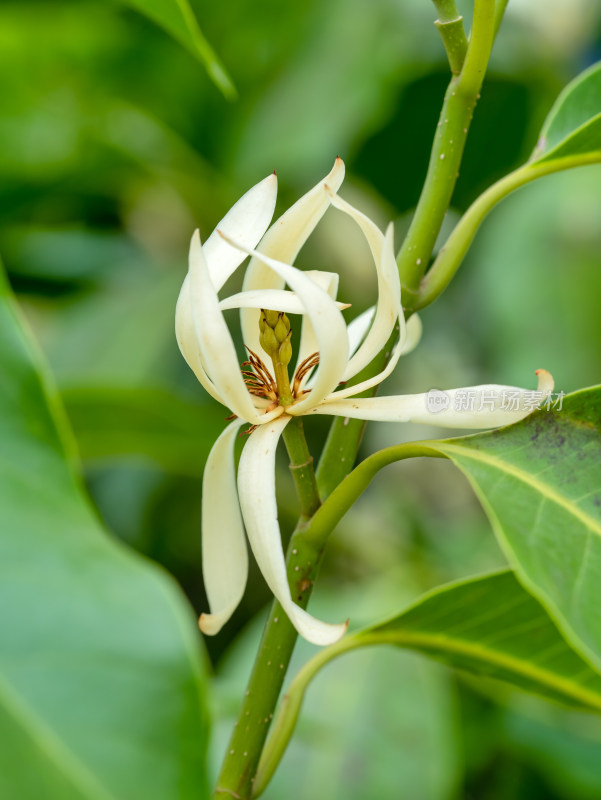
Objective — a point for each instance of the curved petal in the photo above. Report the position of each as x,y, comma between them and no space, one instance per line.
388,309
185,334
283,241
256,488
246,221
488,406
224,553
328,281
357,328
215,343
327,322
368,383
275,299
413,334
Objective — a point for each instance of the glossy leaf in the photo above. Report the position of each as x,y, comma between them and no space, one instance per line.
101,674
573,126
177,18
540,484
153,424
488,626
491,626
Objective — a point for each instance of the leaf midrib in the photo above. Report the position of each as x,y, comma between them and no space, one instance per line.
446,644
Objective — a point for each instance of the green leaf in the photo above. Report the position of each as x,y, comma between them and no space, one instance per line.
573,126
488,626
150,423
491,626
101,674
177,18
540,484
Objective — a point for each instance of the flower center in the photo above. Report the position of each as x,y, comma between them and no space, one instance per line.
275,340
275,335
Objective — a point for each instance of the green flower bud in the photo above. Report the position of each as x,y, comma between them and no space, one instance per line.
270,317
274,338
268,341
282,328
285,353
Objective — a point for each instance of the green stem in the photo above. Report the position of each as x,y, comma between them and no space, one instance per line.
454,41
279,637
352,487
447,150
287,716
323,522
446,10
301,467
500,7
450,27
451,255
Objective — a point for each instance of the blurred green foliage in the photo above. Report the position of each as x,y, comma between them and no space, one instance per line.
114,145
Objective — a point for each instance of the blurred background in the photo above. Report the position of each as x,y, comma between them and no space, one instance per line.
115,145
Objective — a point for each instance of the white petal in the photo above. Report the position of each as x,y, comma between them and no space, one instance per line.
388,309
224,554
488,406
274,299
283,241
358,328
369,383
185,334
246,221
215,343
413,334
327,322
256,487
328,281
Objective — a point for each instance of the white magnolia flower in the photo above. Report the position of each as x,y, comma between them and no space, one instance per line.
330,354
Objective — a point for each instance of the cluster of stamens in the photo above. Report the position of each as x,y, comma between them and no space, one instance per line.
260,382
258,379
275,335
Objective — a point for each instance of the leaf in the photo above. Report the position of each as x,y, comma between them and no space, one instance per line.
177,18
491,626
540,484
573,126
152,423
101,674
488,626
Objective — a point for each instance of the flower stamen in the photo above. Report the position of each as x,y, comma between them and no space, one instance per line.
258,379
303,368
